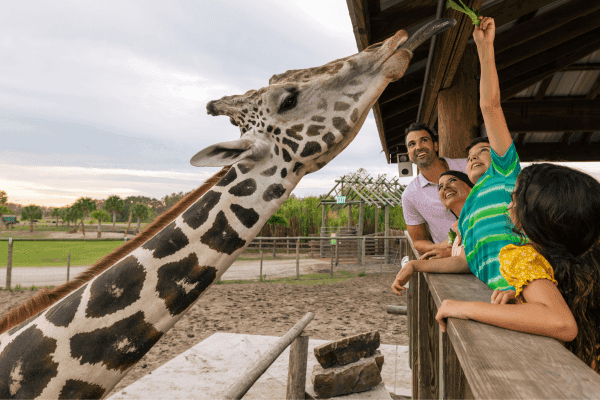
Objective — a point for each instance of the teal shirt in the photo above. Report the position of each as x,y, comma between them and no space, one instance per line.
484,223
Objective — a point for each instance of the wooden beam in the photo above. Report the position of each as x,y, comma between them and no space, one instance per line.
359,23
524,74
594,90
558,152
401,16
571,30
510,10
404,118
403,86
583,67
519,139
381,130
400,105
543,87
585,138
555,116
565,137
545,23
448,53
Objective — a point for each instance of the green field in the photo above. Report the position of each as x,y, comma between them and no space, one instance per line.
53,254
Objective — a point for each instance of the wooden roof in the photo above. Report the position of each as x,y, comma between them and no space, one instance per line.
548,60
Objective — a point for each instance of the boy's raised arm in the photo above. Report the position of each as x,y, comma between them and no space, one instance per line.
493,117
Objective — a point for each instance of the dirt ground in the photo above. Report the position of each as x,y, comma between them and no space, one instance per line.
341,309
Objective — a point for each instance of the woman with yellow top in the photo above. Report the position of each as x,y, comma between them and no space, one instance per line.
557,273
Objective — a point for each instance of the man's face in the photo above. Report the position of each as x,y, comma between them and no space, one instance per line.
421,149
479,161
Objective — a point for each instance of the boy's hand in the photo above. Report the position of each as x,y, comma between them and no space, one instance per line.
486,31
403,276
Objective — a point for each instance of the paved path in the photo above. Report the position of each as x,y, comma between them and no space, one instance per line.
44,276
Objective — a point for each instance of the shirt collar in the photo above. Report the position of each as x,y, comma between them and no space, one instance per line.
423,181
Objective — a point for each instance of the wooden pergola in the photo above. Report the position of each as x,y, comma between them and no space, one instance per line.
548,60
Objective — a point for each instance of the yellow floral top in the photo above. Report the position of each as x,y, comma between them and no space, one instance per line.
521,265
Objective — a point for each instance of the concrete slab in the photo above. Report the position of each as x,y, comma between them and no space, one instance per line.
206,370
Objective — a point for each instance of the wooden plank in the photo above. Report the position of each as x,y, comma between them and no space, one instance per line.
571,30
594,90
404,118
428,344
500,363
400,105
552,116
585,138
558,152
401,16
543,87
583,67
456,385
524,74
448,53
407,84
359,24
545,23
510,10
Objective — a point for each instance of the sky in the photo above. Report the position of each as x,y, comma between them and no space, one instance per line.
103,98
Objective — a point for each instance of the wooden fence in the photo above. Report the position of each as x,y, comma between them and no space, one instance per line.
476,360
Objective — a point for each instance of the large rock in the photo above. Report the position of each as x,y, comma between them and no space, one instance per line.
347,350
357,377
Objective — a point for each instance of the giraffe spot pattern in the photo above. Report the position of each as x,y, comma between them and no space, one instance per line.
197,214
283,172
76,389
354,82
116,288
247,216
271,171
311,148
222,237
277,131
292,145
314,130
317,118
354,116
181,283
167,242
270,128
118,346
354,96
273,192
292,133
329,139
340,106
321,165
286,155
62,314
341,125
245,168
244,188
297,167
229,177
276,148
14,329
26,365
322,104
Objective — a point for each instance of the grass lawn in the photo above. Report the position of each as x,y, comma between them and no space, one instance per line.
53,254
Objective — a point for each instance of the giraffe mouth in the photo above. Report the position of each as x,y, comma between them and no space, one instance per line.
427,31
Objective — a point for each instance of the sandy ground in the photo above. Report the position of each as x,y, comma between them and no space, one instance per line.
341,309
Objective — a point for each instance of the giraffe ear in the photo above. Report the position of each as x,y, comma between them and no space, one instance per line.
228,153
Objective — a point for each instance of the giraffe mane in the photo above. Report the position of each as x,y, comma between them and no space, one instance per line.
46,298
301,75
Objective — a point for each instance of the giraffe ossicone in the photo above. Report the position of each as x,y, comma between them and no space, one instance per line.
82,345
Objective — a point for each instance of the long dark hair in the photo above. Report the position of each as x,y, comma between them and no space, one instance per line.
558,208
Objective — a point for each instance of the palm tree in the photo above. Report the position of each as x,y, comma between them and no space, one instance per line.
55,213
31,213
114,204
140,211
85,204
100,215
72,214
3,209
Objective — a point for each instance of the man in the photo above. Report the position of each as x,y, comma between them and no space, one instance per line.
427,220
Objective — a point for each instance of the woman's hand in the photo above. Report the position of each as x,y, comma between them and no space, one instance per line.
486,31
403,277
440,250
450,309
504,297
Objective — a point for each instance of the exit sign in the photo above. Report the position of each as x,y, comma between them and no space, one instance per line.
340,199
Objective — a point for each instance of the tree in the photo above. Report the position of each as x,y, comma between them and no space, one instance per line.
85,204
3,208
55,213
31,213
100,215
140,211
73,214
113,205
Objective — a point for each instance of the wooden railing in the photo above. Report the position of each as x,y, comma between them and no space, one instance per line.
476,360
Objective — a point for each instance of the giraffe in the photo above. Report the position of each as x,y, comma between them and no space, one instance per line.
84,343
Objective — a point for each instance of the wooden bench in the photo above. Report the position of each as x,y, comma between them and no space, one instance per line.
476,360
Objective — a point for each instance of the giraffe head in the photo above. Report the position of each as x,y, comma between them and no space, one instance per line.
305,118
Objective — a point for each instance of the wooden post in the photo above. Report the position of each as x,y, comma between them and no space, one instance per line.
349,216
287,246
332,257
337,252
9,264
297,259
261,264
361,217
458,106
274,248
428,345
128,224
363,251
377,242
386,244
296,383
68,266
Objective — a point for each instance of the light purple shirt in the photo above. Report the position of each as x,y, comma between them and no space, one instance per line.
421,203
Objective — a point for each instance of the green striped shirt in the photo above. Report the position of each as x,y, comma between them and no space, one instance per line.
484,223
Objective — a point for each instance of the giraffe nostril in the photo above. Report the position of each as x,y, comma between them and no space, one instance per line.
211,108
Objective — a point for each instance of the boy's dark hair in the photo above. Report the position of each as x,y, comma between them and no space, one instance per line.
477,141
558,208
420,126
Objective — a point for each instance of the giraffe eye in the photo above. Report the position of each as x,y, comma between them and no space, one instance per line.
288,103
